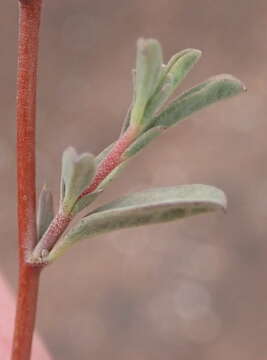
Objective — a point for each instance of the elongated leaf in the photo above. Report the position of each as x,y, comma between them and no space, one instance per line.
142,141
174,73
214,89
45,212
178,68
147,207
165,68
148,70
77,173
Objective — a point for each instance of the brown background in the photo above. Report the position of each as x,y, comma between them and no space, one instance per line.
189,290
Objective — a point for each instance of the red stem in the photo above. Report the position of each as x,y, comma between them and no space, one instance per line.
29,23
26,312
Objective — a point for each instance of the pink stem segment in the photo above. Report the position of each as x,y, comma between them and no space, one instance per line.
50,237
113,159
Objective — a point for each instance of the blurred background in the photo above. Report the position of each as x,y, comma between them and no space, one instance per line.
194,289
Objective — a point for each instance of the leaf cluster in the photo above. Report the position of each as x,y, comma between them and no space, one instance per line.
152,112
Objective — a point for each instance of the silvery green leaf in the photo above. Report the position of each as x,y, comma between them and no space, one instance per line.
148,207
176,57
173,59
85,201
148,71
45,212
77,173
143,140
214,89
175,71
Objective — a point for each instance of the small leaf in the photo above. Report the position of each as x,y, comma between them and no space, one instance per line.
148,71
215,89
45,212
174,73
176,57
147,207
142,141
77,173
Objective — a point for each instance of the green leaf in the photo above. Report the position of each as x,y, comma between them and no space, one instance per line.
214,89
148,71
142,141
148,207
77,173
174,73
45,212
176,57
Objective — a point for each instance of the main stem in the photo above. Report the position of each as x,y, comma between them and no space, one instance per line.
28,40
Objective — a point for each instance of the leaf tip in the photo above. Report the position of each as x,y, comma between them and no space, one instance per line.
196,52
236,84
148,47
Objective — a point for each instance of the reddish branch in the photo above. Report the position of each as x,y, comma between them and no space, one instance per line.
29,22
